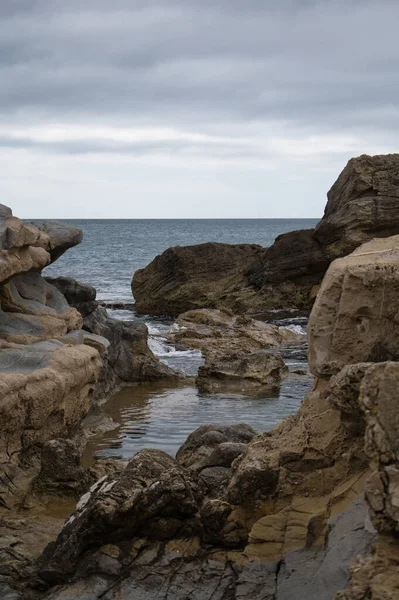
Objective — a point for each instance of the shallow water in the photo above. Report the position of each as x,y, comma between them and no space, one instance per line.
161,417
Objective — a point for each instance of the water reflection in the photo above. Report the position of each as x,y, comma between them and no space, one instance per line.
162,416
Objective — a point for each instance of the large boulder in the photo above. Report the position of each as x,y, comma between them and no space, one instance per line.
153,496
187,277
355,316
251,373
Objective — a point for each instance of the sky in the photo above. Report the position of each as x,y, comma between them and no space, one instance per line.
191,108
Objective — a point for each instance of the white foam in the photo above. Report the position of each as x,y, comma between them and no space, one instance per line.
296,329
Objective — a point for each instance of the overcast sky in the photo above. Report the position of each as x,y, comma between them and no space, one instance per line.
191,108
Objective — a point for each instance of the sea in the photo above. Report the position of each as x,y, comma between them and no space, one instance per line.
158,415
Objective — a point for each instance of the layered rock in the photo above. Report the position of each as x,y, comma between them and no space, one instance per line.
362,204
189,277
377,576
47,374
256,372
220,330
127,357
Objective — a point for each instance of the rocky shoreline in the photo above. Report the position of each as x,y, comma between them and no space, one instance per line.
309,509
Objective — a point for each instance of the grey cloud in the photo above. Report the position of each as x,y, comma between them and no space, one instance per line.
315,65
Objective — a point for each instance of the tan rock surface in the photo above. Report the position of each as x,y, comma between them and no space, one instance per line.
354,318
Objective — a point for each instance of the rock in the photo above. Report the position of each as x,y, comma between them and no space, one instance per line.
376,577
45,392
362,204
214,445
354,316
127,357
128,354
381,405
256,372
61,236
343,392
61,472
190,277
212,329
81,296
153,492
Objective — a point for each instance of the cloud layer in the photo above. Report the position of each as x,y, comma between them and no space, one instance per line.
180,90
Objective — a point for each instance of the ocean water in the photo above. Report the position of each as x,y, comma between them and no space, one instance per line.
112,250
158,415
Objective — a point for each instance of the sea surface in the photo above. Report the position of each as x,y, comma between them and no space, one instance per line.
158,415
112,250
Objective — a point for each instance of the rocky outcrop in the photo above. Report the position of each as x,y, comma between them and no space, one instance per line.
377,576
362,205
127,357
220,330
189,277
47,373
253,373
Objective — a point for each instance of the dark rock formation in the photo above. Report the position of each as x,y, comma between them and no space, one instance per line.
188,277
362,204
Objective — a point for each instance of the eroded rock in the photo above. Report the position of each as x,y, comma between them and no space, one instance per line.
255,372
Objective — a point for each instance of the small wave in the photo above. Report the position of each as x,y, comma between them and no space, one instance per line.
296,329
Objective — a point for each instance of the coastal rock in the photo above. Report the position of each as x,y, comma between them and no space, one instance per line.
256,372
61,236
189,277
128,357
376,577
354,318
221,330
362,204
81,296
152,496
214,445
45,392
129,354
61,472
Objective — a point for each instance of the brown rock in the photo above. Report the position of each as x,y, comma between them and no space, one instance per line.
354,318
256,372
190,277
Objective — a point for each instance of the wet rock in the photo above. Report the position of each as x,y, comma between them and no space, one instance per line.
61,472
128,354
153,495
127,357
211,329
256,372
214,445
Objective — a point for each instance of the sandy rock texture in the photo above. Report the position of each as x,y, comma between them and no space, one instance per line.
362,204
